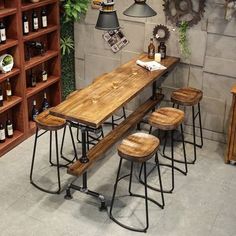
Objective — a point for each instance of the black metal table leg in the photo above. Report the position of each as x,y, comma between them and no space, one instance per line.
84,158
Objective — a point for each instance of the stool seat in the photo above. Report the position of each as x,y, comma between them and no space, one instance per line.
186,96
49,122
138,147
166,118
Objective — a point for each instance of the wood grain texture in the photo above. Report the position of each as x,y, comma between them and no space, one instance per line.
166,118
48,122
114,136
186,96
138,147
231,142
97,102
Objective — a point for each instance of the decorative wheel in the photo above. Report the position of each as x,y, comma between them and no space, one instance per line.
161,33
190,11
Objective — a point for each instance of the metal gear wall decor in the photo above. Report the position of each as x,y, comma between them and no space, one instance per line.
161,33
190,11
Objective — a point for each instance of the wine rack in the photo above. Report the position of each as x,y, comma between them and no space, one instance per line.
18,108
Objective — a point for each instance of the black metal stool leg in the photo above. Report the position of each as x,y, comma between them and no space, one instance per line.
194,136
73,143
200,124
62,141
184,150
58,164
33,157
50,149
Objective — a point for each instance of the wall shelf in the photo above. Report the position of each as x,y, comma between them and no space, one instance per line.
9,43
30,6
3,77
7,12
9,104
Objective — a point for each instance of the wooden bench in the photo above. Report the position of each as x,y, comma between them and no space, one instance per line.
78,168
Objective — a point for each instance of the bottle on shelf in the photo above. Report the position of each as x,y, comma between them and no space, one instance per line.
45,104
32,79
44,74
9,128
25,21
35,111
8,90
151,49
35,21
2,133
1,97
44,18
162,50
39,46
3,37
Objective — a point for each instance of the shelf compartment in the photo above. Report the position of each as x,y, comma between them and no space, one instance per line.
40,32
7,12
11,142
30,6
9,43
13,72
40,59
41,86
9,104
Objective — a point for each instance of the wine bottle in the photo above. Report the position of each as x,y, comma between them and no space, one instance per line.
44,18
3,37
25,24
45,104
1,97
44,74
35,111
32,79
2,133
35,21
9,128
8,90
151,49
162,50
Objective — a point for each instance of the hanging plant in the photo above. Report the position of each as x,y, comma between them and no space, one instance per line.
183,39
73,9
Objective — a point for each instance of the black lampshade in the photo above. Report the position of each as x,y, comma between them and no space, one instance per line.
140,9
107,20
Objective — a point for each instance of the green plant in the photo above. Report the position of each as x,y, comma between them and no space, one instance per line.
73,9
7,60
183,39
67,45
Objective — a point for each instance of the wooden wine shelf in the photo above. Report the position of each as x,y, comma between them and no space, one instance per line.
32,127
16,139
40,32
41,86
40,59
13,72
30,6
7,12
9,43
9,104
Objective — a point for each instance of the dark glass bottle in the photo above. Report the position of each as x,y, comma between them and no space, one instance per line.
8,90
35,21
44,18
1,97
162,50
9,128
35,111
45,104
2,133
25,21
32,79
3,37
44,74
151,49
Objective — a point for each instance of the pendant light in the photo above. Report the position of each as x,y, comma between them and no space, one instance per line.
107,18
139,9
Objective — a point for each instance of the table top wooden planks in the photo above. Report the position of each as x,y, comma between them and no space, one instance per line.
233,90
97,102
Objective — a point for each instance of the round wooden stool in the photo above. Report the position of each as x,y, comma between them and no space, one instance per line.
138,147
190,97
47,122
168,119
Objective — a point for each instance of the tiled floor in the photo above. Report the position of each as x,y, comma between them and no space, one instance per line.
203,203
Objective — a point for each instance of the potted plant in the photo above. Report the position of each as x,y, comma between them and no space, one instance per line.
6,63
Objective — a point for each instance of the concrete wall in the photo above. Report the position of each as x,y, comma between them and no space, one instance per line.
212,65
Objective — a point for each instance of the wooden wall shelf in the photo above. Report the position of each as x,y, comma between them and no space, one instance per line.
30,6
19,108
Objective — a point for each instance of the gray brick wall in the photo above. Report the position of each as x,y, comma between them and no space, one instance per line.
211,67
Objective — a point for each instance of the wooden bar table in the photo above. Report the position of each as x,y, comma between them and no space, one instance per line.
93,105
